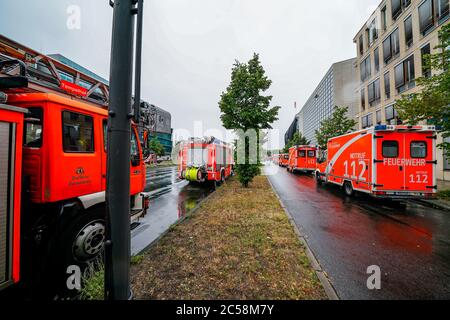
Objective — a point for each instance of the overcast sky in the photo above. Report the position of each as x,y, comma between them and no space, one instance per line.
190,45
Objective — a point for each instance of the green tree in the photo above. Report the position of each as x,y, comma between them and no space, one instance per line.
243,107
297,140
432,103
334,126
156,147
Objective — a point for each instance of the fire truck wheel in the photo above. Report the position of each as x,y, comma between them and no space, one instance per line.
82,241
348,189
222,176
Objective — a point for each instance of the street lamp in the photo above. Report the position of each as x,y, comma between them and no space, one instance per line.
117,246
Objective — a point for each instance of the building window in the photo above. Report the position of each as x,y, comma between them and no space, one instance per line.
391,115
442,9
378,115
367,121
372,32
387,85
376,57
425,51
405,75
365,69
408,31
363,99
446,158
384,18
361,45
391,46
374,92
396,8
78,132
426,18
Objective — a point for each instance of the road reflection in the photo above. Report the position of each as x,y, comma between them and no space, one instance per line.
170,200
408,241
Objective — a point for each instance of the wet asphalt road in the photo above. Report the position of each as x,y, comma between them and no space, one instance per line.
411,244
170,200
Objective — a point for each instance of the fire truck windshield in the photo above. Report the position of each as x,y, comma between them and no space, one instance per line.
197,156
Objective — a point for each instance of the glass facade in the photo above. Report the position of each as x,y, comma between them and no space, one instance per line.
318,107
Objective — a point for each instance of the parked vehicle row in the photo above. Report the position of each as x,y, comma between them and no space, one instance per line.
385,161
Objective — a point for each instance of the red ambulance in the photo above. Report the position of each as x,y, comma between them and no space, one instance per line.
385,161
302,158
283,160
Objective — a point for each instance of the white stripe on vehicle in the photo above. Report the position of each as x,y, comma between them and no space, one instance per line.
342,149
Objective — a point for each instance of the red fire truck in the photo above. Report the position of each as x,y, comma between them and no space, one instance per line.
206,159
11,128
55,131
384,161
283,160
302,158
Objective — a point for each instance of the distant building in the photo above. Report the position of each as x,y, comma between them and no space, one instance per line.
293,128
390,49
337,88
161,120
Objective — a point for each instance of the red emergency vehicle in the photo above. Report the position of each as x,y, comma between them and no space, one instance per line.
62,146
302,158
283,160
11,129
384,161
205,159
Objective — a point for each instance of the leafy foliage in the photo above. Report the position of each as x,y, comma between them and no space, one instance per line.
244,107
156,147
432,103
338,124
297,140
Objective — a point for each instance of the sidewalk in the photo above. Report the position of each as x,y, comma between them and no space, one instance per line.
440,203
443,185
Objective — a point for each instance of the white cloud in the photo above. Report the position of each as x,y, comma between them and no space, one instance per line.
190,46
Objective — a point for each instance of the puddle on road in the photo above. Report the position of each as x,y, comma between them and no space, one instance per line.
170,200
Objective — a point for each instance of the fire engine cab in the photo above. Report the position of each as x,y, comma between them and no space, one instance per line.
384,161
54,132
302,158
205,159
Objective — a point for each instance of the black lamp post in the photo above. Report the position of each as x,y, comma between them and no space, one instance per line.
117,246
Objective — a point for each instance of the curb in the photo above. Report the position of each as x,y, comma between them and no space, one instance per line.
434,204
326,283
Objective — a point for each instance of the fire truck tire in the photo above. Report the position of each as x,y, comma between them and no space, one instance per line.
82,241
348,189
222,176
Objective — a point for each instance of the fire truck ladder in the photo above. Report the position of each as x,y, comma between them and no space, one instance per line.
25,70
